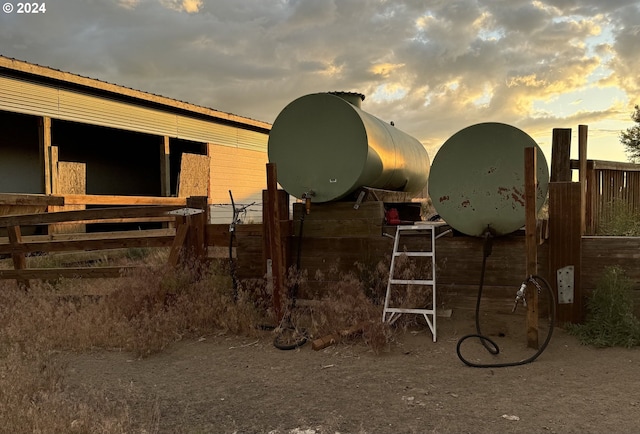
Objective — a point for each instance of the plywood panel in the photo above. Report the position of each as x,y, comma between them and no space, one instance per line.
71,179
194,175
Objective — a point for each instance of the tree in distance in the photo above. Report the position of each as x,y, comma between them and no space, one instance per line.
631,138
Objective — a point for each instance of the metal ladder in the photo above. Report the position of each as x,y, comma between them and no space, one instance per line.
391,314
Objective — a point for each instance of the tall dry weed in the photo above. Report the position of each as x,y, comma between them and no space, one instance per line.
141,312
355,299
347,302
161,305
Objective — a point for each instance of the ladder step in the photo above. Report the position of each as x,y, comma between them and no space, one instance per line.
402,310
410,282
415,228
390,314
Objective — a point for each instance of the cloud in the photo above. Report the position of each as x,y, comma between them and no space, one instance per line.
188,6
128,4
432,67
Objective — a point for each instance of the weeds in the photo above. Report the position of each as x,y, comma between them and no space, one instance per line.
618,218
610,319
345,305
33,398
143,312
356,298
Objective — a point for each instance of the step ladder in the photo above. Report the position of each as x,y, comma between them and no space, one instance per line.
423,229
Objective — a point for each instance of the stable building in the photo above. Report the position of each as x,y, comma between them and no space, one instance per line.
62,133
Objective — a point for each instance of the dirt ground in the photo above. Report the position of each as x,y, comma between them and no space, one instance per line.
231,384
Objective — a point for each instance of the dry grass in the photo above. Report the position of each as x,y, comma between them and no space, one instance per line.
142,313
356,298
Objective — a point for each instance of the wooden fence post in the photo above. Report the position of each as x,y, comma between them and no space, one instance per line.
197,227
274,242
565,232
583,131
189,243
531,219
561,155
19,260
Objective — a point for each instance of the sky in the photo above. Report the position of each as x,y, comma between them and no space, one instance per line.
433,67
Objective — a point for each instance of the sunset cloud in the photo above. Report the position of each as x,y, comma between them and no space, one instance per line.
432,67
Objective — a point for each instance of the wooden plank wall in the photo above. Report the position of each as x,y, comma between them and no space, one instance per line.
458,258
339,219
599,253
459,261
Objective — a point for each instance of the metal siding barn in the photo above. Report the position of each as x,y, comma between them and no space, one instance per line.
100,123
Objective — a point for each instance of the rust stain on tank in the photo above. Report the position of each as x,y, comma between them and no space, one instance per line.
466,203
503,190
517,196
443,198
491,170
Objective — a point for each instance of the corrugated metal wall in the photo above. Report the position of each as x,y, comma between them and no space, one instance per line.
243,172
26,97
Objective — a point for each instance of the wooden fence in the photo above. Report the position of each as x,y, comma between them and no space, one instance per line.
336,240
609,186
189,231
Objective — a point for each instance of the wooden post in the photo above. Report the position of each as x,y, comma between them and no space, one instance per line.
592,198
565,249
531,218
197,227
283,209
583,131
178,242
44,138
165,179
272,232
565,231
53,160
19,260
561,155
189,243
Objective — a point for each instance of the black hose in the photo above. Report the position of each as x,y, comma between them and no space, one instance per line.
489,344
296,286
279,341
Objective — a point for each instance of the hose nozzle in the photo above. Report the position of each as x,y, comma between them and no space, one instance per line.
520,296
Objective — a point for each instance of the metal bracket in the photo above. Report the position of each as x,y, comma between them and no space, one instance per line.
565,282
360,199
185,212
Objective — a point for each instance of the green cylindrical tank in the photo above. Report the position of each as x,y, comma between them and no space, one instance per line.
326,147
477,179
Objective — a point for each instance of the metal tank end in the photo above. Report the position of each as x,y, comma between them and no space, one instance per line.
354,98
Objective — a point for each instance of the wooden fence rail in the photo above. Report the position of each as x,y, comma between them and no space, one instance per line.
190,233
